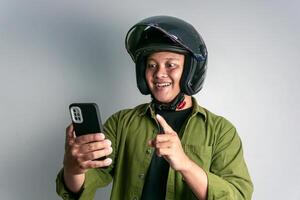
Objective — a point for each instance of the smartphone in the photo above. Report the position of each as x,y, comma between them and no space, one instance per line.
86,119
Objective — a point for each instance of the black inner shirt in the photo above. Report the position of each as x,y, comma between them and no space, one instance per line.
157,175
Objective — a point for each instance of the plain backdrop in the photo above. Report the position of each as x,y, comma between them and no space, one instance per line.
53,53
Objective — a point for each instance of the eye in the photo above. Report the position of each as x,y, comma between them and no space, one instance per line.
171,65
151,65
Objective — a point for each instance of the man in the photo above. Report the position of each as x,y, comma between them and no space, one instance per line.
171,148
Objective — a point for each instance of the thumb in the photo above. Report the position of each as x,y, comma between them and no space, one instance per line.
167,129
70,136
70,132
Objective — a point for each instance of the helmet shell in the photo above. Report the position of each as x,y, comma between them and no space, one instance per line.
166,33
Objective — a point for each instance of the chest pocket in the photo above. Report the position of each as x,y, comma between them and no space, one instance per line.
200,154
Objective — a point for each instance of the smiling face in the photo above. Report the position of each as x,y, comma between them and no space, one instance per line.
163,73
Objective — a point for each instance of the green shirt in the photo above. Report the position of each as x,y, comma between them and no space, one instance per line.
209,140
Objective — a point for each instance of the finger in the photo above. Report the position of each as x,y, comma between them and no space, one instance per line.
70,132
151,143
73,151
163,152
93,146
166,127
95,154
96,163
94,137
163,145
70,136
162,138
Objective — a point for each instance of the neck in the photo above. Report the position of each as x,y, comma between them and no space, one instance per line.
181,102
188,103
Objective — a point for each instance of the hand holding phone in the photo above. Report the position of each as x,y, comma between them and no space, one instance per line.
86,120
81,154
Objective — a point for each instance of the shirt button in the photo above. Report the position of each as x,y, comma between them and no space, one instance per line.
142,176
149,151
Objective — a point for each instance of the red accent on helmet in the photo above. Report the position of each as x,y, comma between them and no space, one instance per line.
181,105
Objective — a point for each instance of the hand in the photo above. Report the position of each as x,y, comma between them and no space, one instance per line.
81,152
169,146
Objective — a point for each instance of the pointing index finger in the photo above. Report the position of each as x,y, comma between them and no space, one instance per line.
166,128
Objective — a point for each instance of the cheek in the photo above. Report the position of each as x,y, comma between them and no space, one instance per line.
177,76
148,76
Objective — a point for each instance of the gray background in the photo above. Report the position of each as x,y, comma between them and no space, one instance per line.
53,53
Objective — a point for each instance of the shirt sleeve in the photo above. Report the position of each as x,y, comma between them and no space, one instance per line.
228,177
94,179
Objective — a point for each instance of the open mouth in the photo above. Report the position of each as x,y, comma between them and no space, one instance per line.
162,85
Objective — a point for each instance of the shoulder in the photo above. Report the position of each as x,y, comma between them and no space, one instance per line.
217,120
128,113
210,118
216,124
124,118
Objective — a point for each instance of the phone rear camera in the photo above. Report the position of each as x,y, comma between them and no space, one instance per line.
76,114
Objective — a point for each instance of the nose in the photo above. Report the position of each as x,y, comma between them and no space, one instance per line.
161,72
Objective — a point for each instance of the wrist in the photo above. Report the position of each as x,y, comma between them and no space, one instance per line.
68,172
187,165
73,182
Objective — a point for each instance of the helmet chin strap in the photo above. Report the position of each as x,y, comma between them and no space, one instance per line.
177,103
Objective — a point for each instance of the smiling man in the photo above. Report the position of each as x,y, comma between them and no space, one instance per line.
170,148
163,73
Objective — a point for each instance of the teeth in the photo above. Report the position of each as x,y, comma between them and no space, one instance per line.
162,84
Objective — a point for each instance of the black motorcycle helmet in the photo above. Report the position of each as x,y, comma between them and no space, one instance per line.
165,33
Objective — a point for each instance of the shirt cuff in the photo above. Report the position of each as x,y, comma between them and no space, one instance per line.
62,189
